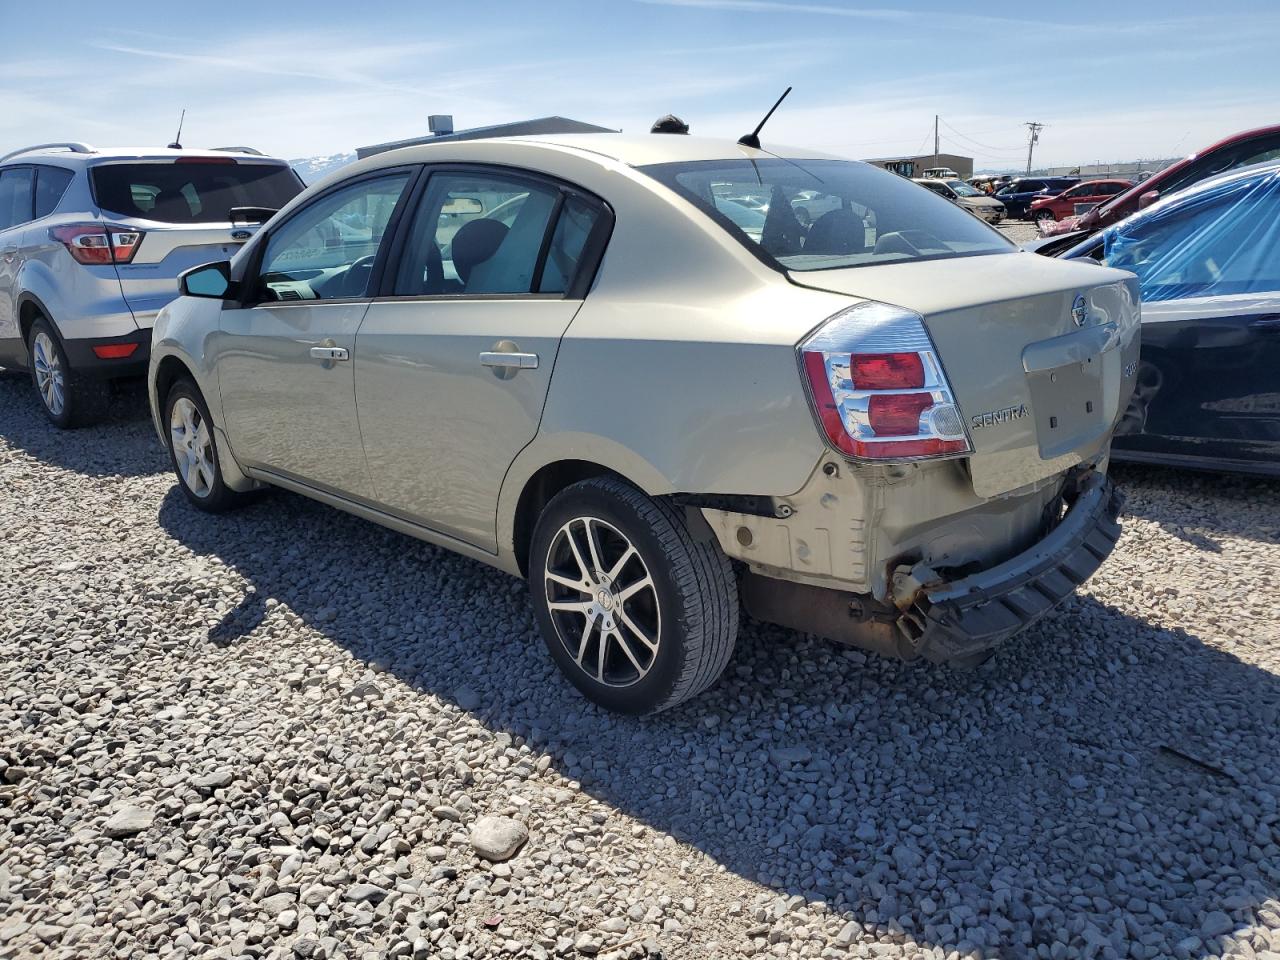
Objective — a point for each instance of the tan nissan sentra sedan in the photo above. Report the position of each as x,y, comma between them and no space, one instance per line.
582,360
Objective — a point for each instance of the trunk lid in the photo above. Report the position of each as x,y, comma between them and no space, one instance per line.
150,279
1039,390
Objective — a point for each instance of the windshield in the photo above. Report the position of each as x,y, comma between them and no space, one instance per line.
191,191
827,214
962,188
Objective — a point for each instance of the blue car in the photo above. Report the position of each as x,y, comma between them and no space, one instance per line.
1208,380
1018,194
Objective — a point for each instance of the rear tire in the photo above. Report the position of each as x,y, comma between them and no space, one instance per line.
1045,215
193,452
638,613
67,398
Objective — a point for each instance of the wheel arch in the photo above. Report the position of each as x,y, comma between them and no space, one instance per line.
30,308
538,491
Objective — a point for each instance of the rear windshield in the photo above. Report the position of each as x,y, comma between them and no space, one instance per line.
827,214
191,192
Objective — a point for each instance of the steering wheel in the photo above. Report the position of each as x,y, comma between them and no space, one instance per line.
355,282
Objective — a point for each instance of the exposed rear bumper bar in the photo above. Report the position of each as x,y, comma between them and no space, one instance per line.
958,620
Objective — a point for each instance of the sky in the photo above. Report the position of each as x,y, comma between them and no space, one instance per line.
299,80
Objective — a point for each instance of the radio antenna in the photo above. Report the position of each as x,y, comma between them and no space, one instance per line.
752,139
177,137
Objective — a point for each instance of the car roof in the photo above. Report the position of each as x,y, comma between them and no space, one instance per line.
635,150
1188,194
90,155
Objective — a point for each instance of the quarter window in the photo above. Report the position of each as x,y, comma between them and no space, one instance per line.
577,221
478,234
327,250
15,196
51,184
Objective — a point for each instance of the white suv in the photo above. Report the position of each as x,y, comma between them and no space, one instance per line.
91,245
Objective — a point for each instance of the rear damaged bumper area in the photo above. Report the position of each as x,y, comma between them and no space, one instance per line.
955,621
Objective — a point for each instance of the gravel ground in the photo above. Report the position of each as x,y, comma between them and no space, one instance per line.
285,732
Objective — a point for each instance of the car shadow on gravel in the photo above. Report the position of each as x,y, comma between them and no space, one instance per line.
1103,783
122,444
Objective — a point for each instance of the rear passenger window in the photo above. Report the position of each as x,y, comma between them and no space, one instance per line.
477,235
51,184
15,196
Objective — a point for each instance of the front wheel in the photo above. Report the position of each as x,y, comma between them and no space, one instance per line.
193,451
637,612
1045,216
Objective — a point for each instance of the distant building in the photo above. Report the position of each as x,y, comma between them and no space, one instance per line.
916,166
1126,168
521,128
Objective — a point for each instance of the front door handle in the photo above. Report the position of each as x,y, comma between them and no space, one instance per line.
1267,324
330,353
520,361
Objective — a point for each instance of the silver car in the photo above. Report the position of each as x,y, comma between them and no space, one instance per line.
566,358
91,245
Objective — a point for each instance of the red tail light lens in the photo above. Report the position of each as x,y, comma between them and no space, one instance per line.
887,371
98,243
878,389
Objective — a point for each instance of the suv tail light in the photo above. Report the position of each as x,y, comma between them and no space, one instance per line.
98,243
878,389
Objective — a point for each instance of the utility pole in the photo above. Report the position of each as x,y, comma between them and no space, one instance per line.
1033,137
935,139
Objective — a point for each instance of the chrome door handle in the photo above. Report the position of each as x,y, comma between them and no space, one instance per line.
330,353
520,361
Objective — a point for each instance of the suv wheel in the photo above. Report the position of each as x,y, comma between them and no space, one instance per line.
68,400
192,450
638,613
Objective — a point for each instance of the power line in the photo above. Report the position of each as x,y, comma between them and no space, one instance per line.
978,143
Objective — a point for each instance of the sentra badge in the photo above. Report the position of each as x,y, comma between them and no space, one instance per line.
994,418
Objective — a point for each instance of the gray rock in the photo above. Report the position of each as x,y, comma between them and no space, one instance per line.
498,838
128,821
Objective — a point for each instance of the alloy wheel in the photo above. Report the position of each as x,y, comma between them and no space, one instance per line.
603,602
50,379
192,447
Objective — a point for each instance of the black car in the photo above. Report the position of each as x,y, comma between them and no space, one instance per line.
1208,381
1018,194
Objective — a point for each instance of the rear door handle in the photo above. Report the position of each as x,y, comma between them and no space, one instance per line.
1267,324
330,353
520,361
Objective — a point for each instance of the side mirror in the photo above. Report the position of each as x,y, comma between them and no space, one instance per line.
212,280
1148,198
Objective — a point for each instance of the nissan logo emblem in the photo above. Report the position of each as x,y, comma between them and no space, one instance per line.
1079,310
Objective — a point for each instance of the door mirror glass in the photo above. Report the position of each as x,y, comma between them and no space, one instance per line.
213,280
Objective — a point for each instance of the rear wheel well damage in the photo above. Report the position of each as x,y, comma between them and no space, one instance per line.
554,477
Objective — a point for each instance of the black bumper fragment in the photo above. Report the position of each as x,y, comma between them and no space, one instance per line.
960,620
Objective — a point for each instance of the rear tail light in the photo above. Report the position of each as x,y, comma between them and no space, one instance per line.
98,243
878,390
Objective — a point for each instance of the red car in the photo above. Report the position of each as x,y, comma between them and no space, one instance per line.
1078,199
1239,150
